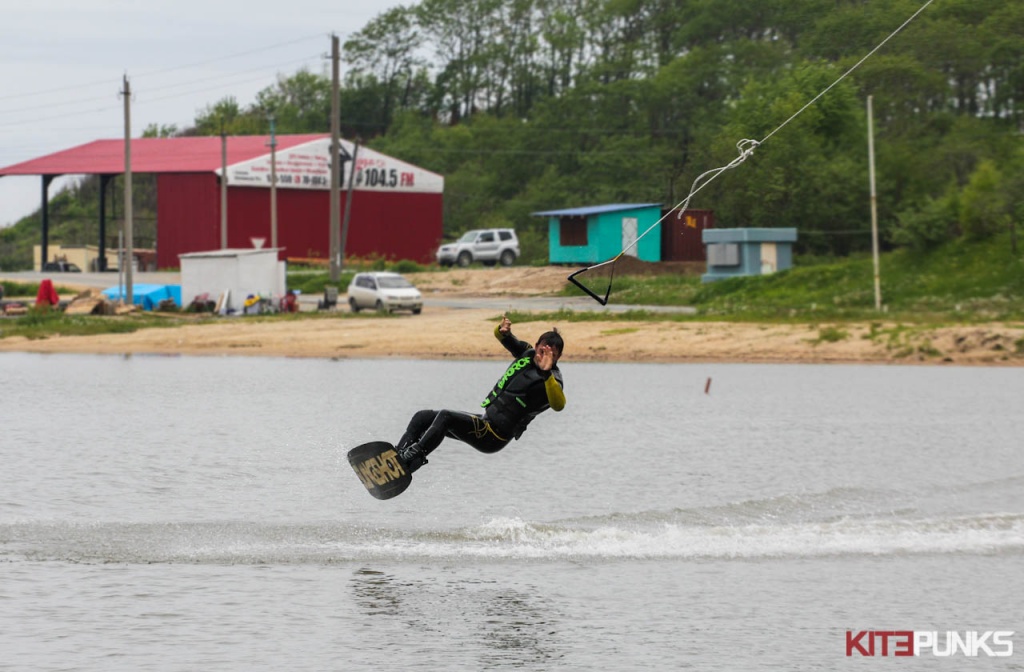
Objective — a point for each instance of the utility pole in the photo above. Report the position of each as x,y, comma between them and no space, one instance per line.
223,187
874,206
273,184
128,224
335,198
348,204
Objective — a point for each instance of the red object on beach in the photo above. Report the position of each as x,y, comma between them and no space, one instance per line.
47,294
290,303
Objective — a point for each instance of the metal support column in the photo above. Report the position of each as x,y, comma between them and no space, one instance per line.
101,261
44,254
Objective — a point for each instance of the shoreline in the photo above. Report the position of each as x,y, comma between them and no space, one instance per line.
466,334
459,322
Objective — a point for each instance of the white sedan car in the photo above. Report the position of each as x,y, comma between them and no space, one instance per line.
384,292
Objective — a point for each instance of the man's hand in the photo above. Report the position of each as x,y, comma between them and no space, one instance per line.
545,358
506,325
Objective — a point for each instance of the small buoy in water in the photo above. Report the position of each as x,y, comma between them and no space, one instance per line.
707,386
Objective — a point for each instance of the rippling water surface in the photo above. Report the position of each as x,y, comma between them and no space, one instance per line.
174,513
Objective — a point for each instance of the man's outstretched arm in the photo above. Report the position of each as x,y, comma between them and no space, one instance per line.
503,332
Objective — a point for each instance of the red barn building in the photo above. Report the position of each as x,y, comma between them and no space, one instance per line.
395,211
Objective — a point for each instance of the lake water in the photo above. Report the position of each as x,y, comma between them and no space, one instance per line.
176,513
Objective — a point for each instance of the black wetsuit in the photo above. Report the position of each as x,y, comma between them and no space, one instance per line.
520,395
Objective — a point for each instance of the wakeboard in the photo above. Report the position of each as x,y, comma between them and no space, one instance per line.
379,469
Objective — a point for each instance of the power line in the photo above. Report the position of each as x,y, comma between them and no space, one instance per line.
226,76
106,82
60,104
21,123
36,120
227,84
235,55
261,68
30,94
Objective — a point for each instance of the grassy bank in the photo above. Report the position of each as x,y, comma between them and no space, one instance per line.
960,282
44,323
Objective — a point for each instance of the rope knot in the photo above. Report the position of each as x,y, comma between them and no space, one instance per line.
747,147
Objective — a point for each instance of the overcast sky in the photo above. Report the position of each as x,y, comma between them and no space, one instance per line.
62,63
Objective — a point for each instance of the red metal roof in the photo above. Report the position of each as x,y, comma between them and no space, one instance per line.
154,155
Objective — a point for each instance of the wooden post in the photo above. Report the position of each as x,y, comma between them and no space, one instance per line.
874,207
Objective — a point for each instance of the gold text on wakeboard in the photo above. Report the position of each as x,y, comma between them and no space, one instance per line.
379,470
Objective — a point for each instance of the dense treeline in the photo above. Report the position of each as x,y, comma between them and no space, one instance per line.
532,104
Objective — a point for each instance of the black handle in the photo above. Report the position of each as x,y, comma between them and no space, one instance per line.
602,301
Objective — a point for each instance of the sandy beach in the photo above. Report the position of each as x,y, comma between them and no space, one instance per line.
466,333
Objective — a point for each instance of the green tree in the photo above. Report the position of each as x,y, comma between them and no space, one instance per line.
299,104
386,70
461,32
224,116
925,226
811,174
160,131
563,53
1005,66
984,207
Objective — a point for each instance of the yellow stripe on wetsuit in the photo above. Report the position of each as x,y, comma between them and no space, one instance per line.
556,398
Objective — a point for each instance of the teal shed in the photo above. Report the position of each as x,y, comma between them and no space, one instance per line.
598,233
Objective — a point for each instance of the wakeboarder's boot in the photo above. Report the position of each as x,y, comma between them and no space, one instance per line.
412,457
407,439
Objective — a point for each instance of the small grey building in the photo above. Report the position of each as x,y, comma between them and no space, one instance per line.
737,252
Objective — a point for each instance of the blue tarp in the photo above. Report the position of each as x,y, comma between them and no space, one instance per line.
147,296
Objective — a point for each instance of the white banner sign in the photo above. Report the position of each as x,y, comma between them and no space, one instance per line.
308,166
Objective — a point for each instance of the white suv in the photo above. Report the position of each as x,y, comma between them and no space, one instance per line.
489,246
